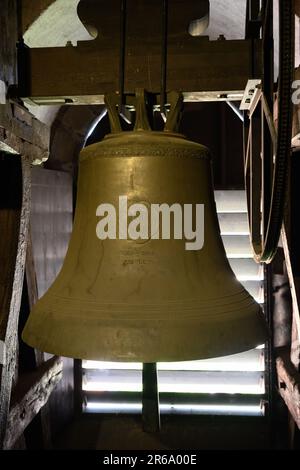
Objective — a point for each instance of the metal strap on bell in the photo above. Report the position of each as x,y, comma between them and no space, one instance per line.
157,296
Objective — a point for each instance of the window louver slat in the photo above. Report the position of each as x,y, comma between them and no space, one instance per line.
234,224
246,269
177,381
252,360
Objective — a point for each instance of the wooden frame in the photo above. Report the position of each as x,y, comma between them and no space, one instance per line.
194,65
82,75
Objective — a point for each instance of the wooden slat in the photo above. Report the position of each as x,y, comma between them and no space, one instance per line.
14,222
30,396
39,357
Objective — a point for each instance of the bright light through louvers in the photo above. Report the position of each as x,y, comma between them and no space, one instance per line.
249,361
255,388
248,410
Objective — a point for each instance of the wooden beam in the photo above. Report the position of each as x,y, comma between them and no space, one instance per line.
289,385
43,424
253,24
14,219
22,133
83,74
293,281
288,361
30,395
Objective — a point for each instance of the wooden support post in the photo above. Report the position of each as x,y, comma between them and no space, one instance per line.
288,361
253,23
42,424
14,220
150,399
78,395
30,395
289,385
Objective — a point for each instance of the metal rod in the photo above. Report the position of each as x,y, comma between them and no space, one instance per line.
122,53
150,399
164,46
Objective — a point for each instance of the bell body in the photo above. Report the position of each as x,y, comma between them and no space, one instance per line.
145,300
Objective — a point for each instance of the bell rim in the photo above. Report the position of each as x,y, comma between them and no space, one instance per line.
158,343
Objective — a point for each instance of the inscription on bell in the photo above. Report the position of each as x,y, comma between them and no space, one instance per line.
137,257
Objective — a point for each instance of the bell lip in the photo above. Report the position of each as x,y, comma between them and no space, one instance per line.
259,334
153,342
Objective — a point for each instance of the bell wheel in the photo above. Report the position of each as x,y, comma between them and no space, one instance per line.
268,133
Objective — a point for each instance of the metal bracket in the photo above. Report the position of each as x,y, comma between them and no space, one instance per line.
251,95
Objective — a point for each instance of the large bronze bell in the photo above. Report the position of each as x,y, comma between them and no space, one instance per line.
145,300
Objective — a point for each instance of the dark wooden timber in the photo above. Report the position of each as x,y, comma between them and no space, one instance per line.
30,395
14,220
83,74
253,23
150,399
42,422
289,385
9,36
294,233
288,360
22,133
